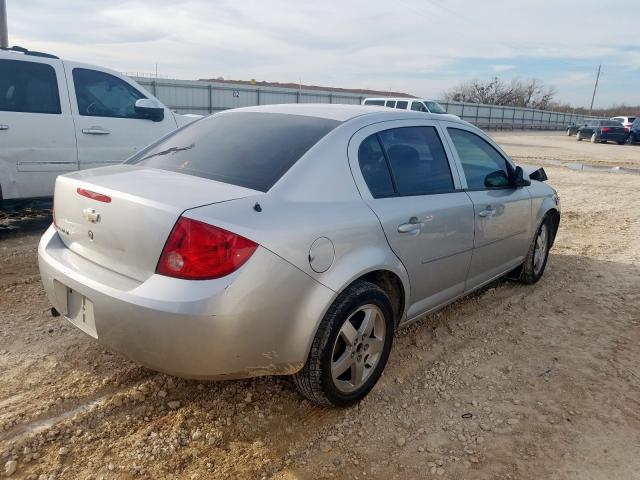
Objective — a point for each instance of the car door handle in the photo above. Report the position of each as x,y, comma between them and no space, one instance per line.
413,226
95,131
4,127
487,212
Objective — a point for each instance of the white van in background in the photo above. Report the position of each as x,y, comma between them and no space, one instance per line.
58,116
404,103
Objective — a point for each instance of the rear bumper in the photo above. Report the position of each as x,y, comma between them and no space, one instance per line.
614,137
260,320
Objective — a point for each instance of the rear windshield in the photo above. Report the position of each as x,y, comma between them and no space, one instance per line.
248,149
631,119
610,123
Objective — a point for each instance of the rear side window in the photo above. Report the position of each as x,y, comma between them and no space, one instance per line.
374,167
374,102
390,103
248,149
408,160
28,87
100,94
418,107
402,104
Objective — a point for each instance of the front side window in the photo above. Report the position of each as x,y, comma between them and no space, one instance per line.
100,94
484,167
413,156
418,107
435,107
28,87
248,149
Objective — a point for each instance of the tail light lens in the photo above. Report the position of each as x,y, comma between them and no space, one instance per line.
605,129
199,251
627,129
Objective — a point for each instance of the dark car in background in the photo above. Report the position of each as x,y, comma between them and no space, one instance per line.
572,128
634,131
603,131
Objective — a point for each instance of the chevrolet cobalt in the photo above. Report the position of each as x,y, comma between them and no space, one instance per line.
291,240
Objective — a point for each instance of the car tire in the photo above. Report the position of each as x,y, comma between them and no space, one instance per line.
594,138
578,137
568,132
621,142
538,254
340,372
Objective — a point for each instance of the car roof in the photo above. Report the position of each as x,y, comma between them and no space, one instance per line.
342,112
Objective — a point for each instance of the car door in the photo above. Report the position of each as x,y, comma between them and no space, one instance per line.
502,212
108,128
37,138
588,129
404,174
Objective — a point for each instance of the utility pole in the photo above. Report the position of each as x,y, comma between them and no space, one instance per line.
594,89
4,36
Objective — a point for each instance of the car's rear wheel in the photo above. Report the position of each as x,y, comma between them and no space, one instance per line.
621,142
538,254
594,138
350,349
578,137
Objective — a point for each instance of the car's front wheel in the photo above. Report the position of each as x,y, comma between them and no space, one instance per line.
351,347
538,254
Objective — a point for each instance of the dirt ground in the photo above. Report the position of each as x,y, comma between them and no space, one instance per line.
513,382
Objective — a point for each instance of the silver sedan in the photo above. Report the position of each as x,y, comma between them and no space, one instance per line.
291,239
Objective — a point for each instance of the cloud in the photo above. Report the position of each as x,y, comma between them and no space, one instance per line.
420,46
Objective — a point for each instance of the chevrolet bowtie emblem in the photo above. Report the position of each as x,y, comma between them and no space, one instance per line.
91,215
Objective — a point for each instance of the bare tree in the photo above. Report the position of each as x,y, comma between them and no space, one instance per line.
529,93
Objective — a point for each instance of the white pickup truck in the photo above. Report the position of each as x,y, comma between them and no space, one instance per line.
58,116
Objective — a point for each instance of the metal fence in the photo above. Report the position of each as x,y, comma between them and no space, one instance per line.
186,96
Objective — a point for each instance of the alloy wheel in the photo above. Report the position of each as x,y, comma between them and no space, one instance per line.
358,348
540,249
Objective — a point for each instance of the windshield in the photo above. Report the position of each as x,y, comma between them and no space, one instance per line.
434,107
248,149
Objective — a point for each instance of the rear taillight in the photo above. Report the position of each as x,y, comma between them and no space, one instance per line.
605,129
627,129
199,251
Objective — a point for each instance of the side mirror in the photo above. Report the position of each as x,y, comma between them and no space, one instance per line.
151,109
518,178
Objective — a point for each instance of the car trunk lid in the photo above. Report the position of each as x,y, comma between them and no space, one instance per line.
120,217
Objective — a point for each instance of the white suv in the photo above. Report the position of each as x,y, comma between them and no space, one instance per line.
625,121
58,116
404,103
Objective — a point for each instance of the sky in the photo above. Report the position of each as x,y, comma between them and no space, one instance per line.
422,47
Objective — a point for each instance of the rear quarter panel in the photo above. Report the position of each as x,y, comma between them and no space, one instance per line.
316,198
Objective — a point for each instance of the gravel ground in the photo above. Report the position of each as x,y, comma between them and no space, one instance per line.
513,382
